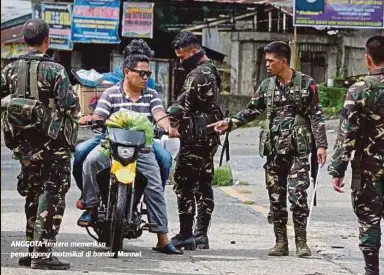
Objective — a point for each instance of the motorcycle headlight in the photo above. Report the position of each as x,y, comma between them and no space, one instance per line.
125,152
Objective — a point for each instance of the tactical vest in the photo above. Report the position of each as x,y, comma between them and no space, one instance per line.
194,128
301,142
26,111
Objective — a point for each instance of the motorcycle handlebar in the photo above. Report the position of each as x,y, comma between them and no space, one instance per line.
98,126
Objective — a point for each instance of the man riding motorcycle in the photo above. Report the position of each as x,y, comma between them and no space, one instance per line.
163,157
131,94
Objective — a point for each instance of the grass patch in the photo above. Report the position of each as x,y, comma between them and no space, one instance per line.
223,176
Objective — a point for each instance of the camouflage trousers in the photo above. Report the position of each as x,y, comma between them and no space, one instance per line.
292,172
193,182
44,184
368,206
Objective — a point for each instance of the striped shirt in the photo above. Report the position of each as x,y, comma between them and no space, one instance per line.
113,99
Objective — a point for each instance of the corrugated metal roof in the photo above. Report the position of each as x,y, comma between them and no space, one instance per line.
12,35
16,21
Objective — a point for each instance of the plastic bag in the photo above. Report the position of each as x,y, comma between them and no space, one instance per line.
90,78
172,145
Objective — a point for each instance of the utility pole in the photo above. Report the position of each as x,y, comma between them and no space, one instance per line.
294,49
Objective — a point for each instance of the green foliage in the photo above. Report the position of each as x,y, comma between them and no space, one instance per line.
332,97
331,112
223,176
339,74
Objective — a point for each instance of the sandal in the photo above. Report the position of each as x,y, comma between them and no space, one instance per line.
168,249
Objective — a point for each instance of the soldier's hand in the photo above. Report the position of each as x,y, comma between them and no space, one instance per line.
220,126
84,120
173,132
321,156
338,184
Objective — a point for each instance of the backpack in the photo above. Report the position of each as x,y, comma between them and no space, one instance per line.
25,110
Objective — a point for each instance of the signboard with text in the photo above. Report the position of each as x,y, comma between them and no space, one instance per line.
96,21
339,13
138,20
58,17
13,50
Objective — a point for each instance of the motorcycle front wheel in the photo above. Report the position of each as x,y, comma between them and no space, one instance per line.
117,219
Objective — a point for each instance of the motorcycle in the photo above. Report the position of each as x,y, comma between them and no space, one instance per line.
122,209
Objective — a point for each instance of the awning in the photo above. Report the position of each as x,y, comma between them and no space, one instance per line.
12,35
284,3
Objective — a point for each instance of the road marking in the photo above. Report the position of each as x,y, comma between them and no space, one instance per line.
241,197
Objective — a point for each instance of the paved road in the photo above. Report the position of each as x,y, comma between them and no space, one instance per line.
240,234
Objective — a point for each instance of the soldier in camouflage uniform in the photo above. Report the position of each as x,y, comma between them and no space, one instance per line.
362,130
44,153
293,112
194,168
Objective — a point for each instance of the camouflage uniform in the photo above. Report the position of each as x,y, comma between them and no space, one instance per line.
194,168
284,163
362,118
45,162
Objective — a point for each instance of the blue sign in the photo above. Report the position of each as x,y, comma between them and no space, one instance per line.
339,14
96,21
58,17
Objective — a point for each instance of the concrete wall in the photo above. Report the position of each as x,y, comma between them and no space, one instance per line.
235,72
218,41
344,50
353,61
249,68
331,62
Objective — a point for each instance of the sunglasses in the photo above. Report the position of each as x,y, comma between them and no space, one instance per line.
142,73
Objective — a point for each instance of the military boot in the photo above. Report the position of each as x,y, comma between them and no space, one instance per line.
302,249
48,261
281,246
26,261
185,237
201,230
371,263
